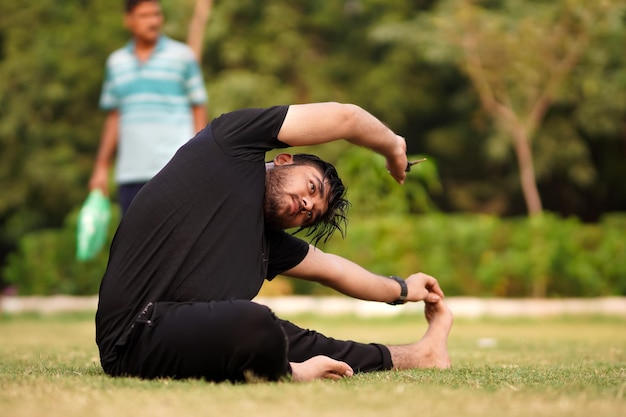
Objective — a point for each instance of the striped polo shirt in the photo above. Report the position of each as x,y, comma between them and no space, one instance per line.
154,99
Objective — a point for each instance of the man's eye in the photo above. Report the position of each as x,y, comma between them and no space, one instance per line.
312,187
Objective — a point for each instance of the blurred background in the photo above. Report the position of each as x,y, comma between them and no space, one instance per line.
519,106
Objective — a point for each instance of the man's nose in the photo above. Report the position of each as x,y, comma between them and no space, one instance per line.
307,205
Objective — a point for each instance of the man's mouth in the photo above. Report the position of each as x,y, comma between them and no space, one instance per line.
295,206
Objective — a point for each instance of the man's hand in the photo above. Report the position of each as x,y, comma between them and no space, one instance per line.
397,160
320,367
423,287
100,180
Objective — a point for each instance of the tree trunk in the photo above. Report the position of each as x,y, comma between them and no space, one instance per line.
200,17
527,172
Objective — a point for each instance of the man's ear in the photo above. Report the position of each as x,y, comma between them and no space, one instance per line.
283,159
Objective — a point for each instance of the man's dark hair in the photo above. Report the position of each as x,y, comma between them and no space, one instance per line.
129,5
335,217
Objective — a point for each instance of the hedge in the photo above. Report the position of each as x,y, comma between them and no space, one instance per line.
473,255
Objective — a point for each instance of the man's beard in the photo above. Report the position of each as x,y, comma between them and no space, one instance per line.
274,193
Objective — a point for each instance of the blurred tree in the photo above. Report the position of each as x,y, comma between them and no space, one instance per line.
48,96
596,107
519,57
395,58
197,26
50,79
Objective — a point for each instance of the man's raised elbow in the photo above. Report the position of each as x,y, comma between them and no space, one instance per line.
350,116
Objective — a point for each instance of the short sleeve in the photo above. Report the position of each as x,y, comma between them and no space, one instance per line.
108,99
249,133
285,252
194,83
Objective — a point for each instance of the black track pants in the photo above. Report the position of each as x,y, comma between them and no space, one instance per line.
228,340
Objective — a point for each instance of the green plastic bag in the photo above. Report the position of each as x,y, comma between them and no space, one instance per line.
93,225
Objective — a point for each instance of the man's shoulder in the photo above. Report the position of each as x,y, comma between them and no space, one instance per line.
120,55
172,46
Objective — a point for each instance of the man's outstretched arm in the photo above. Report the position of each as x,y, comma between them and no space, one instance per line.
317,123
351,279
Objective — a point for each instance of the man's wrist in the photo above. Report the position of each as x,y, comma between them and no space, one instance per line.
404,291
102,164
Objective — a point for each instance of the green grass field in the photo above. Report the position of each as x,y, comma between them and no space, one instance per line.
553,367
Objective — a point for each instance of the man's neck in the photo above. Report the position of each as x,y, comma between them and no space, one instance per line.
144,49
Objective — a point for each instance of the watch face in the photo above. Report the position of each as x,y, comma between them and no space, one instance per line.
403,291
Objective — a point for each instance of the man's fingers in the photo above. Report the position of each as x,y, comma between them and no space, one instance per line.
335,375
338,370
431,297
437,290
398,176
320,367
433,286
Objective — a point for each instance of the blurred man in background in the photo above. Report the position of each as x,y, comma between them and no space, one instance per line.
155,97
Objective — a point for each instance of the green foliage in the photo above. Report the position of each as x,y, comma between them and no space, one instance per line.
471,255
50,124
45,261
371,190
532,57
384,55
487,256
48,100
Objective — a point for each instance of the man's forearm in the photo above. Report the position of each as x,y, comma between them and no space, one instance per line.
108,141
345,277
200,118
317,123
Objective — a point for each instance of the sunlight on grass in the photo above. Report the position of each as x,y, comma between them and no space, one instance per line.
570,367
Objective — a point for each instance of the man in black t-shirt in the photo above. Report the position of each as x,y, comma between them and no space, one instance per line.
200,238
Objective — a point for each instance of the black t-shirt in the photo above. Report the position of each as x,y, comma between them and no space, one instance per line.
196,231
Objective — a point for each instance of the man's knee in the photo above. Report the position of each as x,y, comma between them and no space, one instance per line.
216,341
261,345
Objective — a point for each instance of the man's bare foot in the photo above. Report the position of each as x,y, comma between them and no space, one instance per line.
432,350
320,367
439,318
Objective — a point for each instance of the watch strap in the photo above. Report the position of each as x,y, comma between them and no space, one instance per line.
404,291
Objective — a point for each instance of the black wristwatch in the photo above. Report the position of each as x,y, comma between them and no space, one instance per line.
404,291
